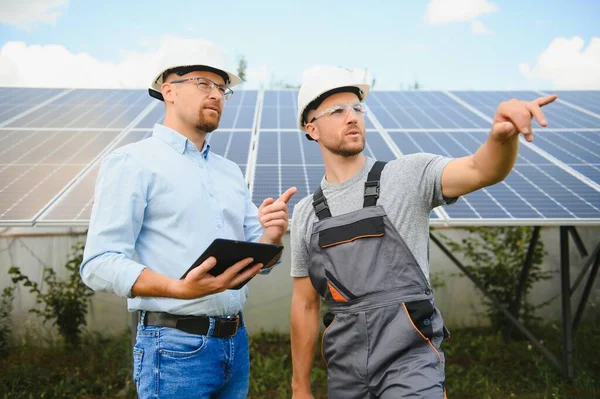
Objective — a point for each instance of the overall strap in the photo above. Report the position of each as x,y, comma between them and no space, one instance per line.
372,184
320,204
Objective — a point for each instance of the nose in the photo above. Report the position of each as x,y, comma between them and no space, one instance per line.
216,94
351,116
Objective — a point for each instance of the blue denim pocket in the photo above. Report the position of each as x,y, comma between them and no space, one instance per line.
176,343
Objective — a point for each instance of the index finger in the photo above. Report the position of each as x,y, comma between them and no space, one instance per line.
541,101
234,269
285,197
536,111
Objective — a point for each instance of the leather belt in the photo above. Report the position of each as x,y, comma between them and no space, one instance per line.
199,325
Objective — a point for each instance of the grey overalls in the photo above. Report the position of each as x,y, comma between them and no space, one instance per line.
384,339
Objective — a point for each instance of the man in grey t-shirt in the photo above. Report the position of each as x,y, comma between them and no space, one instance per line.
410,189
361,242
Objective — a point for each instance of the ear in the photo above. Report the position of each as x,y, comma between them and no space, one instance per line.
167,91
312,131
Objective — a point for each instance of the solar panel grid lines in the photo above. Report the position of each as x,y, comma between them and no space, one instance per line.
556,180
562,165
89,108
44,172
558,114
74,206
25,111
50,109
575,198
119,139
487,101
416,109
15,101
587,102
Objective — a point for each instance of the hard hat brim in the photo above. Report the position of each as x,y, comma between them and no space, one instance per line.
154,90
363,89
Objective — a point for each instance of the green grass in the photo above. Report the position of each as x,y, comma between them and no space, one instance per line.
478,366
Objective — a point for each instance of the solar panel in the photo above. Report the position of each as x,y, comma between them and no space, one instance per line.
156,115
536,190
75,205
579,150
88,108
238,112
232,145
279,109
37,165
589,100
421,110
50,137
16,100
558,115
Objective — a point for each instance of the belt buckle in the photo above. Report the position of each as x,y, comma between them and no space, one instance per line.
227,326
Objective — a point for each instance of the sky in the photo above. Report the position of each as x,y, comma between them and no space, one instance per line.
441,44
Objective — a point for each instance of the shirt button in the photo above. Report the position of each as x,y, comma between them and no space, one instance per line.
218,226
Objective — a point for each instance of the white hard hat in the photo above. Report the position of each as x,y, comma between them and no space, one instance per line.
322,81
205,56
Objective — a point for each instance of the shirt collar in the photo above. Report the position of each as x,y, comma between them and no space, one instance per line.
178,141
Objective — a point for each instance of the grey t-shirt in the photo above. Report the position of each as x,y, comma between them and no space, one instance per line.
410,189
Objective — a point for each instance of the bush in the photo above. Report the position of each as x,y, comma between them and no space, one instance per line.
6,306
495,256
65,302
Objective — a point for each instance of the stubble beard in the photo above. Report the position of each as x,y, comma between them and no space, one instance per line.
207,125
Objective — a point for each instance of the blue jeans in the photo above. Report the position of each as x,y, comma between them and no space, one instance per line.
170,363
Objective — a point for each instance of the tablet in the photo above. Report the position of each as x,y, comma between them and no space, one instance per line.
228,252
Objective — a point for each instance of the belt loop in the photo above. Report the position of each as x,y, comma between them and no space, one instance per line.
211,327
142,321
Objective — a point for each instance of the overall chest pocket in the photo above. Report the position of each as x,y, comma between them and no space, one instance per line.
355,257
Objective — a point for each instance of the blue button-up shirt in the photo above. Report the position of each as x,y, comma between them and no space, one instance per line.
158,204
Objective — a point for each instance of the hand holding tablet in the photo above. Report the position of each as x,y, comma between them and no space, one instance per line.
228,252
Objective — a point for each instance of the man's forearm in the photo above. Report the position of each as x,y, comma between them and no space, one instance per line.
495,159
305,329
154,284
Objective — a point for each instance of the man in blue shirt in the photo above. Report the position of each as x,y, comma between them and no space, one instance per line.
158,204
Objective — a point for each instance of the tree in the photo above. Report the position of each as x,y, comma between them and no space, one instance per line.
242,65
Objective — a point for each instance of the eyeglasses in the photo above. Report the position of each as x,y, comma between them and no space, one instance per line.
206,86
339,111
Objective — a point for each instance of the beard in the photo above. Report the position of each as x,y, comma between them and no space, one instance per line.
346,150
205,124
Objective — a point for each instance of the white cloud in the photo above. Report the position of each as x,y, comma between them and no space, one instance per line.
478,28
25,14
567,64
441,12
55,66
